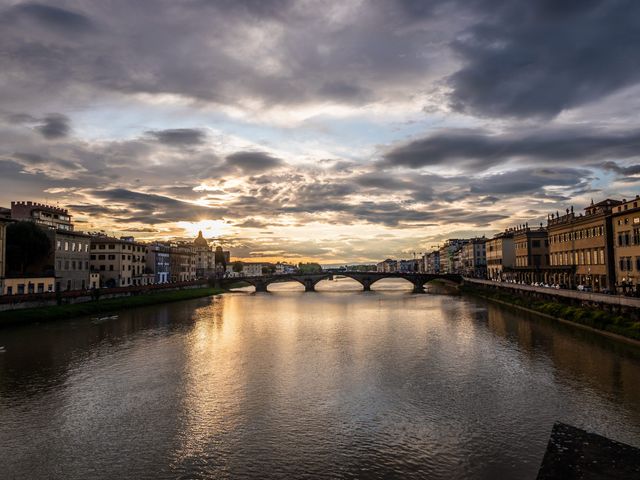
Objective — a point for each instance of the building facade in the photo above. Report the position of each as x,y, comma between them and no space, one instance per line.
450,255
626,237
473,258
120,262
432,262
408,266
28,285
582,245
70,259
387,266
501,254
47,216
158,262
182,263
204,257
252,269
532,255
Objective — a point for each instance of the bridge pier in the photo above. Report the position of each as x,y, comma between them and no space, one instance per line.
261,287
418,288
366,285
309,285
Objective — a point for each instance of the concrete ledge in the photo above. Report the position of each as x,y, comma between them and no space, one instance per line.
616,300
573,453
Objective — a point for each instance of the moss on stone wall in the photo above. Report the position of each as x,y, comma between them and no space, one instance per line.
592,317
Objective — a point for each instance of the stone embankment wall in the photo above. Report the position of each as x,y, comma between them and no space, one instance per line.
614,303
15,302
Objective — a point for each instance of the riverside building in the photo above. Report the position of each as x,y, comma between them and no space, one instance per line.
626,237
120,262
531,247
473,257
501,254
583,246
158,262
46,216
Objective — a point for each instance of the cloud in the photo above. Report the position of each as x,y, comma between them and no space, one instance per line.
476,149
530,181
49,16
536,59
54,126
253,162
178,136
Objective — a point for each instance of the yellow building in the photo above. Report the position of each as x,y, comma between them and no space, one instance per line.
501,254
626,237
584,243
120,262
27,285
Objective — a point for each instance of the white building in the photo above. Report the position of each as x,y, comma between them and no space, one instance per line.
252,269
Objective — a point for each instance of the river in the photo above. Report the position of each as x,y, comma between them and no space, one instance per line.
333,384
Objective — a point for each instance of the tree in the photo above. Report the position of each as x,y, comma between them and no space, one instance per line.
27,247
309,267
237,267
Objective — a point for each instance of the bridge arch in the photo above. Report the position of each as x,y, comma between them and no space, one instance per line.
367,279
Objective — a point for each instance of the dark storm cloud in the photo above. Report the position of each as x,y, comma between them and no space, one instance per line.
539,58
178,136
253,162
622,170
529,181
480,149
66,21
54,126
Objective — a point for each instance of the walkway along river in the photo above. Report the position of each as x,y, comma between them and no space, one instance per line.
342,383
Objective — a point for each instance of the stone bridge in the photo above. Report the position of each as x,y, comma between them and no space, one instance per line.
366,279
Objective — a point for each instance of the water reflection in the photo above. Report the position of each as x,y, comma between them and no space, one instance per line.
340,383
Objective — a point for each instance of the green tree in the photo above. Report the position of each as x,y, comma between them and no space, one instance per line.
237,267
27,247
309,267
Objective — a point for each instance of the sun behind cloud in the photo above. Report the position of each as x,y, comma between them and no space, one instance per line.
209,228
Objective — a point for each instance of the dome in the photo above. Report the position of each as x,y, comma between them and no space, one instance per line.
201,241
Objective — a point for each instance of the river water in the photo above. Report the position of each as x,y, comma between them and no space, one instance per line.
333,384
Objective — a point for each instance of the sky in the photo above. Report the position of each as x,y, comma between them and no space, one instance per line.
332,131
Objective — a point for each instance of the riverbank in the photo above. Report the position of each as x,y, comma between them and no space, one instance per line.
58,312
610,324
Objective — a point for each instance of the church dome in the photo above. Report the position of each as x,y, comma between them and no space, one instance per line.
201,241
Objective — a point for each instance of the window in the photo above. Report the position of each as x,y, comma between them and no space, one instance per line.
602,256
66,246
58,244
93,257
73,246
101,246
102,268
111,268
66,264
73,265
535,243
111,257
101,257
